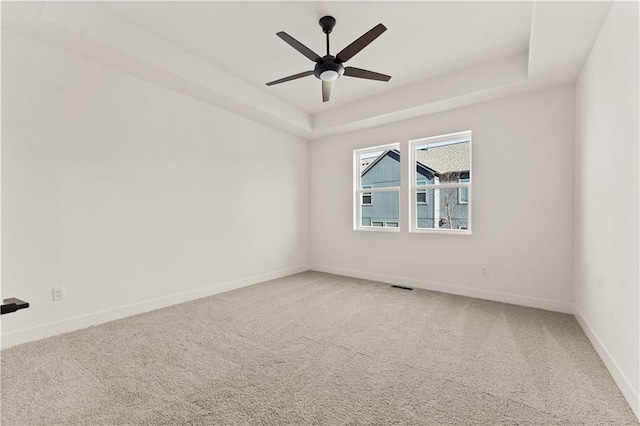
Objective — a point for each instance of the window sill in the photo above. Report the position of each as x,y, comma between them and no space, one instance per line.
441,231
377,229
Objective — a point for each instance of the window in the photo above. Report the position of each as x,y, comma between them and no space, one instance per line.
440,184
421,196
463,193
377,188
366,196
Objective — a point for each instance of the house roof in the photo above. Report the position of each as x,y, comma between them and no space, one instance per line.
446,158
367,164
439,159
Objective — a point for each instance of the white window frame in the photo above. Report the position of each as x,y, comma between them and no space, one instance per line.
358,190
414,188
387,222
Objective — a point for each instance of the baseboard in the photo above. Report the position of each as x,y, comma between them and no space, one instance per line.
76,323
533,302
632,396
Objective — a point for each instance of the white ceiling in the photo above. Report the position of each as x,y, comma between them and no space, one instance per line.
241,38
440,54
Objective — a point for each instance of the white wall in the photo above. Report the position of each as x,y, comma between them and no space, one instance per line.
607,197
522,206
126,193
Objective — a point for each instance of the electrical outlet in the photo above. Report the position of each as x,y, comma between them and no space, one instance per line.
58,294
484,271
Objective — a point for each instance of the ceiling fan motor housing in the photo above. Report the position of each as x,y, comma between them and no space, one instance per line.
328,69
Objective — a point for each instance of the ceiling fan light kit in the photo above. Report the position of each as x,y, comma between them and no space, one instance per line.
329,68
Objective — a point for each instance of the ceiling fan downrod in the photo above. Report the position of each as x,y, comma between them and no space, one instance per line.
327,23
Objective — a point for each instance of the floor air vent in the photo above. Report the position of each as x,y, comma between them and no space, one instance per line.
401,287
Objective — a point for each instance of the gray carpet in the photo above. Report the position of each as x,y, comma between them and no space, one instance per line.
315,348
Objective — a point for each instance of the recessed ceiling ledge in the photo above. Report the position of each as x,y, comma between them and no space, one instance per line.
453,90
116,43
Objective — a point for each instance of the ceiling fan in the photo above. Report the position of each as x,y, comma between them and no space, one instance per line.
329,68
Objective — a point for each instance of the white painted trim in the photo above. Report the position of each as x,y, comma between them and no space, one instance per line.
631,395
462,135
379,228
372,149
453,231
84,321
496,296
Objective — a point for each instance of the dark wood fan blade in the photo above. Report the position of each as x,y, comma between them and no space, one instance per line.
291,77
326,90
360,73
299,46
349,51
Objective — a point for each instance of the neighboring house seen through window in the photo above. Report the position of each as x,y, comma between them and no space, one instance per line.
377,187
442,164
